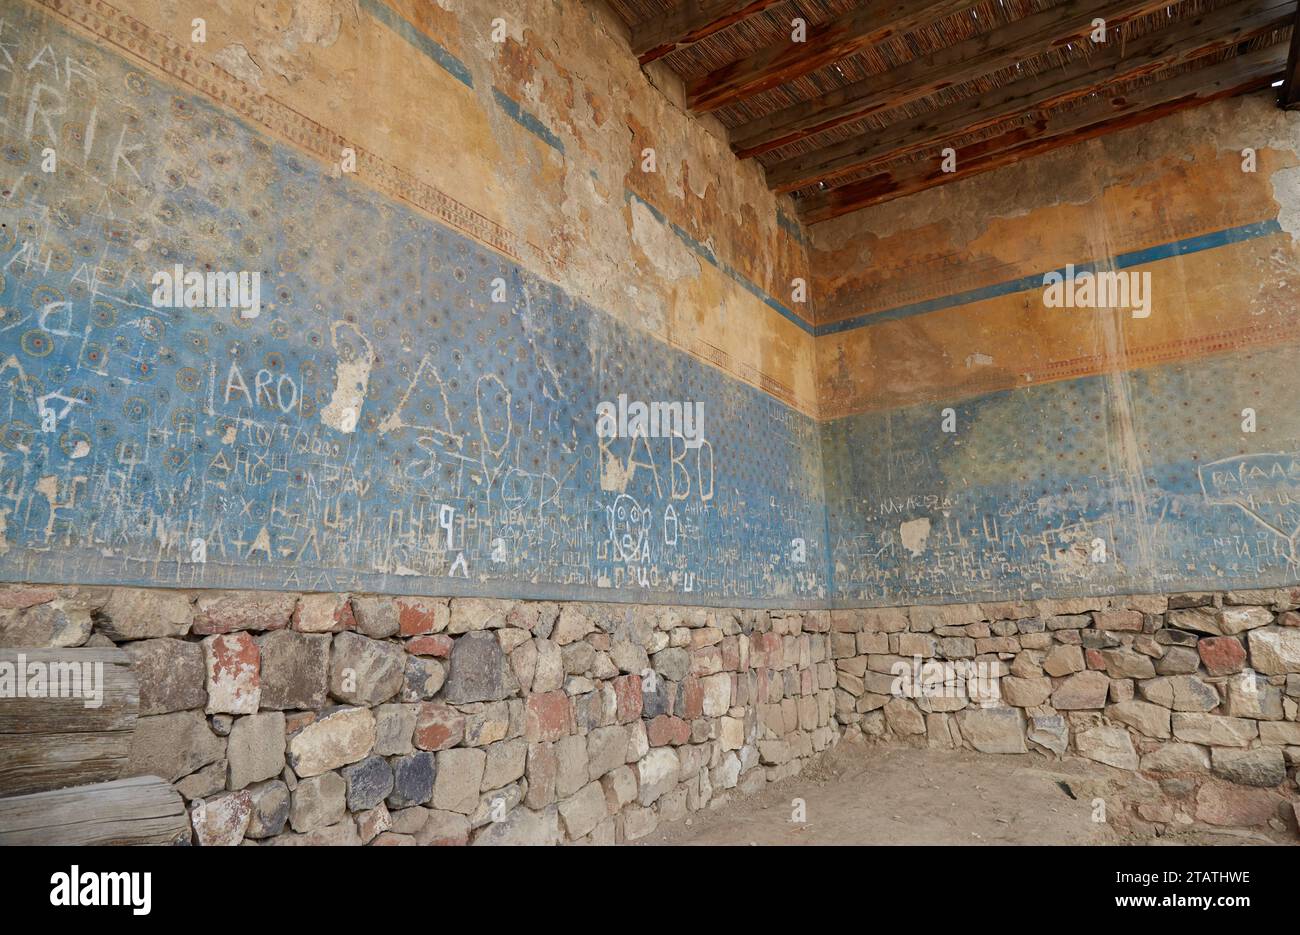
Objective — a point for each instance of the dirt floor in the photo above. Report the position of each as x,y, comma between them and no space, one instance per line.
861,794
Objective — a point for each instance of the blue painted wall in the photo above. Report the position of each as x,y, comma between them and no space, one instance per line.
176,425
1151,462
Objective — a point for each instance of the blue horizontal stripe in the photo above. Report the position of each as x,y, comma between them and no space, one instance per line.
450,63
1184,247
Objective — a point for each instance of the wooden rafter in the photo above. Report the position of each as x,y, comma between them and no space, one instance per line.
1290,98
1106,114
825,44
1209,32
689,24
965,61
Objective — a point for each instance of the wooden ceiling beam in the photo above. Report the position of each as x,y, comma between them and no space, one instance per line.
1209,32
1290,97
965,61
688,24
824,44
1236,75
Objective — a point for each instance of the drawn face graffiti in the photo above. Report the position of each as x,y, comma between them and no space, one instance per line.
628,525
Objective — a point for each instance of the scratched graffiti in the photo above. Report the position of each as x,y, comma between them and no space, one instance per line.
381,424
1073,488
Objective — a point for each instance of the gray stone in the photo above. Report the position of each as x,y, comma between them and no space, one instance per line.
581,812
318,802
171,674
460,778
1248,695
270,809
1178,660
256,748
479,670
422,679
46,626
295,670
413,779
1050,731
993,730
573,769
140,613
394,728
1152,720
172,745
506,761
1262,766
365,671
1177,758
207,781
1214,730
673,664
1110,745
376,617
369,783
1081,691
523,827
1191,694
606,750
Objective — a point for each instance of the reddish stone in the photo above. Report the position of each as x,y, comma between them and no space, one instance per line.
439,645
19,598
627,692
415,616
1229,805
806,686
1094,659
297,720
549,716
666,730
323,613
730,648
234,667
765,650
229,611
1290,618
692,698
1222,655
438,726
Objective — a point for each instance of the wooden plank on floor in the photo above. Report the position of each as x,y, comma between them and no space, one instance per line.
140,810
72,721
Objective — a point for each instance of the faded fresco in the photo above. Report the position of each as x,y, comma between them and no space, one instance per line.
409,410
981,444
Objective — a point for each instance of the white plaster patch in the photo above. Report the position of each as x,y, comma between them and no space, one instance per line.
978,360
670,256
1286,191
351,380
236,60
914,534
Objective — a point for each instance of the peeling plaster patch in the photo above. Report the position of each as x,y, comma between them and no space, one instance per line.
351,380
669,255
1286,189
236,60
978,360
913,534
